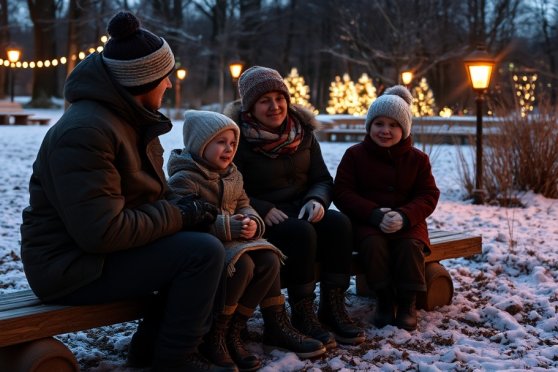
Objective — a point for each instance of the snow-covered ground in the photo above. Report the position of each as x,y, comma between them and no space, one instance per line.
504,310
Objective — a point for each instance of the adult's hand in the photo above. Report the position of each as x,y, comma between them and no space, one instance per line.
196,211
274,217
313,209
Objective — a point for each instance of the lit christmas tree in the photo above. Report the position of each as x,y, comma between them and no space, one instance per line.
366,93
299,91
525,85
343,97
423,99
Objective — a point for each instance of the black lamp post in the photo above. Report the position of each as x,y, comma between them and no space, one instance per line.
180,75
13,56
235,69
479,65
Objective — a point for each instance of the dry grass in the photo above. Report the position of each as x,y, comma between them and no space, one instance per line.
522,157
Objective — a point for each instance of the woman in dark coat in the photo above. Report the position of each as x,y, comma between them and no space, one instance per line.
289,185
385,185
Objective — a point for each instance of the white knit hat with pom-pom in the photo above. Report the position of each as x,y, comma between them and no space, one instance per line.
394,103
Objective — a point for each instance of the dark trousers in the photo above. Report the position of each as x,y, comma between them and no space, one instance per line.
184,269
256,278
329,241
398,263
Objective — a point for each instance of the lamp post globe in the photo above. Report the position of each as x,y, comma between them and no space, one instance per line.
14,53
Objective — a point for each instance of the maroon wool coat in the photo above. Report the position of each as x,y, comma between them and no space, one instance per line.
400,177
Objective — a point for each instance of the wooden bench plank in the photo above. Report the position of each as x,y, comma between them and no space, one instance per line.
38,321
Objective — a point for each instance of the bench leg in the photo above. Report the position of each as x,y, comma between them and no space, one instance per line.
43,355
439,288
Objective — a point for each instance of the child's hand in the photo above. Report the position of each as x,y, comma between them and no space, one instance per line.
249,226
392,222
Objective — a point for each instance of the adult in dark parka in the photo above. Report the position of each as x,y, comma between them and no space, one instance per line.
101,225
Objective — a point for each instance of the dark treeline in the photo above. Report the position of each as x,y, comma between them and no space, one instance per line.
322,38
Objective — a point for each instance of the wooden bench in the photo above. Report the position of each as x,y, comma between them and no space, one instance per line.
12,113
348,128
27,326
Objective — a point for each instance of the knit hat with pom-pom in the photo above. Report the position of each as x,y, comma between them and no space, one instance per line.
136,58
258,80
395,103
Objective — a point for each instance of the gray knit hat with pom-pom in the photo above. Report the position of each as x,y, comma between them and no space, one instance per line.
137,59
395,103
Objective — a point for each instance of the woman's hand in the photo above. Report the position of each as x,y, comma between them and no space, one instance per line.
314,210
274,217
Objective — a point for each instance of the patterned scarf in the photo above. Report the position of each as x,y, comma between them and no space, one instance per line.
271,143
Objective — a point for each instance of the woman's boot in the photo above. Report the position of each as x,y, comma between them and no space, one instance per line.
244,360
406,317
385,308
333,314
304,319
213,346
280,334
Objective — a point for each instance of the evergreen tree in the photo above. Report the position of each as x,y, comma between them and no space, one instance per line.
343,97
423,99
299,91
366,93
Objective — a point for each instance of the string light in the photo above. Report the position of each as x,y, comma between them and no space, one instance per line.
525,85
299,91
47,63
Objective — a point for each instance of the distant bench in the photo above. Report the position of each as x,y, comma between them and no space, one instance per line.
12,113
27,326
427,129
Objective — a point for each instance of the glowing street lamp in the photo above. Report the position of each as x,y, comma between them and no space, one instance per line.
479,65
235,69
181,74
13,56
407,77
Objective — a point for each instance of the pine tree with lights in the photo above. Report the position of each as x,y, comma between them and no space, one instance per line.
366,92
525,85
299,91
423,99
343,97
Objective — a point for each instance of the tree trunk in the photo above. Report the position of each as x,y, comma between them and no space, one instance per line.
45,84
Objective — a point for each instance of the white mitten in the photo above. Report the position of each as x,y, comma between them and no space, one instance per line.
392,222
314,210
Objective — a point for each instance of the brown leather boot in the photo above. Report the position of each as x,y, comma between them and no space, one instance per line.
385,308
280,334
333,314
406,317
244,360
304,319
214,347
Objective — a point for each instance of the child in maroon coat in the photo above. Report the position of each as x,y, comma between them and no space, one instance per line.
385,185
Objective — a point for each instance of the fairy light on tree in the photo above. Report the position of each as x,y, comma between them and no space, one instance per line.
423,99
366,92
298,90
343,97
525,85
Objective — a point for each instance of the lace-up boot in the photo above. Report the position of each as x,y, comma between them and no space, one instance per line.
280,334
333,314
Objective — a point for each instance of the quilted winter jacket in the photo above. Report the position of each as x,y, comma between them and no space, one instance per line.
97,185
400,177
288,181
